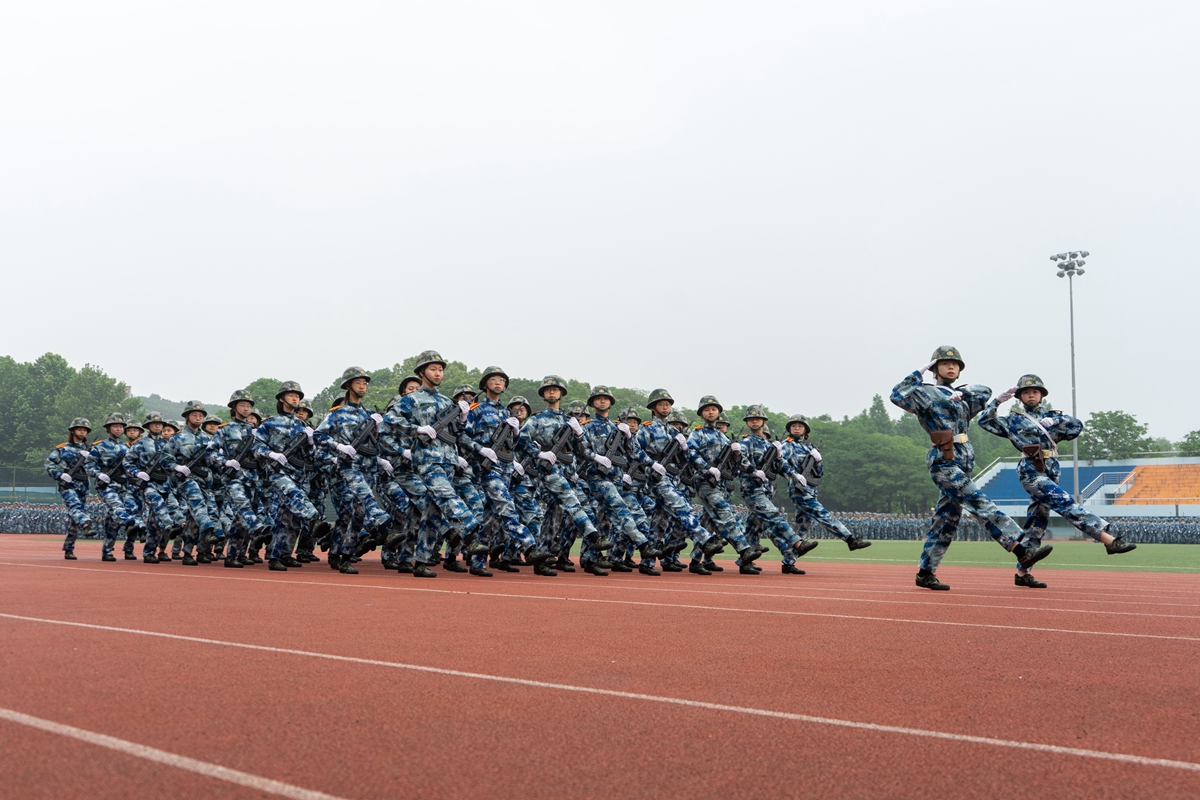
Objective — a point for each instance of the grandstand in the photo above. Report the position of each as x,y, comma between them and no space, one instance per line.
1150,484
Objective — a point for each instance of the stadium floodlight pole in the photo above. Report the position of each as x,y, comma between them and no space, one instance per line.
1069,265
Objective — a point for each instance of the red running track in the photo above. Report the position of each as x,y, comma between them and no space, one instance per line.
846,682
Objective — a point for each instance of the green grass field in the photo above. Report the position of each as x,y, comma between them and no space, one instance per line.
1066,555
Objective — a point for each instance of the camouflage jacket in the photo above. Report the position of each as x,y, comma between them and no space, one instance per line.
275,433
62,459
655,435
415,409
795,452
187,445
754,453
152,455
1026,428
107,456
227,443
596,434
936,411
339,427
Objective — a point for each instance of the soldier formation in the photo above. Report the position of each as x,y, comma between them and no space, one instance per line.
473,483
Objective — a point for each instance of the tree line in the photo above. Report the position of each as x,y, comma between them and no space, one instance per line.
872,462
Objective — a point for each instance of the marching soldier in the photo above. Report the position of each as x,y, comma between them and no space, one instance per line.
67,465
807,461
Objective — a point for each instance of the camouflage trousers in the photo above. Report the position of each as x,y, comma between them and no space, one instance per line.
448,504
354,487
163,512
561,493
773,521
238,504
623,526
421,513
1045,495
623,548
77,516
675,507
809,511
195,535
528,509
500,508
198,503
715,500
121,512
958,492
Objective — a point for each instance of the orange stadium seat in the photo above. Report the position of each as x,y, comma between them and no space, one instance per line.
1166,483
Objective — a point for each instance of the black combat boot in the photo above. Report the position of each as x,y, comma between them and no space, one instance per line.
1028,556
791,569
927,580
855,543
1118,546
1028,580
697,568
422,571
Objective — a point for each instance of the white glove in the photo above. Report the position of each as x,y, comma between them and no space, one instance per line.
816,455
548,457
144,477
659,468
183,470
623,428
427,430
758,473
309,433
345,449
406,454
735,447
386,466
679,437
956,395
281,459
233,465
515,423
1006,395
489,454
462,463
464,408
517,468
65,478
603,461
103,478
573,424
625,479
800,479
716,473
1048,421
778,446
378,418
928,367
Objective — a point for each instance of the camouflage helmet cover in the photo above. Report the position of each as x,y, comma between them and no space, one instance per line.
551,381
291,386
177,424
1031,381
239,396
154,416
576,407
463,388
656,395
491,372
600,390
426,358
800,418
755,411
405,381
133,424
211,419
677,416
396,398
80,422
115,418
520,401
353,373
709,400
722,417
306,406
630,413
254,412
948,353
193,405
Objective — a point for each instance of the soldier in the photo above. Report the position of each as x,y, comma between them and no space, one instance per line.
1036,432
464,392
722,423
668,448
133,432
148,466
714,486
107,455
806,460
189,448
425,417
491,433
312,483
404,490
520,408
67,464
349,439
231,452
759,468
945,412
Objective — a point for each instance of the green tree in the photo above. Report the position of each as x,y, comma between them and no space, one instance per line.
1113,434
1190,446
90,393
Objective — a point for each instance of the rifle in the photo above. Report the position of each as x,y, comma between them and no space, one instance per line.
770,462
808,468
365,439
76,470
614,449
443,424
669,455
298,460
153,471
244,454
115,473
562,445
196,464
503,439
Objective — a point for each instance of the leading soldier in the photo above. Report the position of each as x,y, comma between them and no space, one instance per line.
67,465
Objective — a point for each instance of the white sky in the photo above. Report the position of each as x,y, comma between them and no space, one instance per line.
795,202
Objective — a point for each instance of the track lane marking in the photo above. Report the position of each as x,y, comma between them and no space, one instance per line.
205,768
566,687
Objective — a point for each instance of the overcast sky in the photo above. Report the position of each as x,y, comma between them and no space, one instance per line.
791,203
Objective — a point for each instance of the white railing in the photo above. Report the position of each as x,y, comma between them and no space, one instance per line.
1123,480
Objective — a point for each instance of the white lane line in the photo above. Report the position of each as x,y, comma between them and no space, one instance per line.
649,604
170,759
566,687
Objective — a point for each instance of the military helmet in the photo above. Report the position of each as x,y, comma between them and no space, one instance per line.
576,408
722,417
520,401
550,381
491,372
154,416
630,413
254,412
677,416
133,423
80,422
192,405
239,396
709,400
115,418
948,353
406,380
463,388
755,411
1031,381
601,390
291,386
426,358
177,424
304,405
396,398
352,373
656,395
803,420
212,418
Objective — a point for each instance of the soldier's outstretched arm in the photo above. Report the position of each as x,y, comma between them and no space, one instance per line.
991,422
976,396
1062,427
909,394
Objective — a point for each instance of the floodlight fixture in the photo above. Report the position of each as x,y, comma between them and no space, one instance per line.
1062,274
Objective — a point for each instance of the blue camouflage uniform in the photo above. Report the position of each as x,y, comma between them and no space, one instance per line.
797,453
189,447
108,454
708,442
289,502
235,441
63,459
758,495
602,486
1030,427
537,435
150,455
937,409
653,439
353,476
483,420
